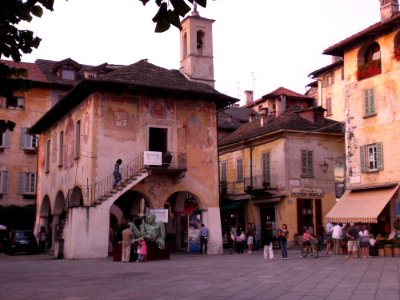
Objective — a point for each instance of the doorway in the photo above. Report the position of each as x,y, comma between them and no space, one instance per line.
158,139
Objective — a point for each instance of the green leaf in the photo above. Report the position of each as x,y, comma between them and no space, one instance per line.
173,18
180,7
162,25
37,11
161,13
201,2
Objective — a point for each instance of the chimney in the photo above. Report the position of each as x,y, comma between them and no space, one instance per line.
280,103
248,95
388,9
263,116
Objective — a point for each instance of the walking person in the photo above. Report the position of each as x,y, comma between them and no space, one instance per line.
337,232
116,173
268,244
320,237
250,238
203,239
283,235
328,235
127,236
42,237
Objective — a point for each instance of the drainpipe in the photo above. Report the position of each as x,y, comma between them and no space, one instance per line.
251,180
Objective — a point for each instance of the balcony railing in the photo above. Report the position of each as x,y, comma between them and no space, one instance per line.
260,183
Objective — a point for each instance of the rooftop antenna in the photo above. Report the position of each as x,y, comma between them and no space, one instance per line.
254,83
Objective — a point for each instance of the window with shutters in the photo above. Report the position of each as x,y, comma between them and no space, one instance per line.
47,162
61,149
12,102
239,169
371,158
28,141
27,183
369,102
4,140
77,139
266,169
3,182
224,171
307,163
328,104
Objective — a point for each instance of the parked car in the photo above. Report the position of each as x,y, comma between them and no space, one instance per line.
22,241
4,234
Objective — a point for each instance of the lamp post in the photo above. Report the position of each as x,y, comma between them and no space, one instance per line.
324,166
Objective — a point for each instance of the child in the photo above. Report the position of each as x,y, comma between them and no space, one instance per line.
143,250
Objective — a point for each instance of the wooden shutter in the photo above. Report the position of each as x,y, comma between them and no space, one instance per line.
379,156
21,183
266,167
362,159
6,138
310,163
4,182
369,96
303,162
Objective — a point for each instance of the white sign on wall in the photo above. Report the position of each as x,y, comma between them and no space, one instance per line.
153,158
161,214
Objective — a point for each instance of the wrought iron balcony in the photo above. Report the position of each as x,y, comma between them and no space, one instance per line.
260,183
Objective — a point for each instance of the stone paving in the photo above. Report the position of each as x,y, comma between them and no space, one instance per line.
228,276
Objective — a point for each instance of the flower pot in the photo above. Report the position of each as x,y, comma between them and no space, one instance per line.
396,251
388,251
381,252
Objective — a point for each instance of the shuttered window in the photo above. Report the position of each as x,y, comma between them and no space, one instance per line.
27,183
266,168
47,162
3,182
61,149
77,139
28,141
369,96
371,157
223,171
5,139
307,163
239,169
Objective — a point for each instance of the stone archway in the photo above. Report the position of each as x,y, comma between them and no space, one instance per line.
45,216
59,217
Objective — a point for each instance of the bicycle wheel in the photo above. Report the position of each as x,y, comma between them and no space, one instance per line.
304,252
314,251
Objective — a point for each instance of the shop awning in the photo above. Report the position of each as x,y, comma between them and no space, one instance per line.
230,205
362,206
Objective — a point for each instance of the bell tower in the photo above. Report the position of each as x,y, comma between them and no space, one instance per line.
197,60
388,9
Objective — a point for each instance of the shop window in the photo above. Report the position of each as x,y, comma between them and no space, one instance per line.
239,169
307,163
371,158
369,102
369,62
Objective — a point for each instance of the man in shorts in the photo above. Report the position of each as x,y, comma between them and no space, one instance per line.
352,244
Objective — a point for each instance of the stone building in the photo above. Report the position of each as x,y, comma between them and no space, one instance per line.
161,123
278,167
369,90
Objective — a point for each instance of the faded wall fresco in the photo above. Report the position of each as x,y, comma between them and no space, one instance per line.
163,109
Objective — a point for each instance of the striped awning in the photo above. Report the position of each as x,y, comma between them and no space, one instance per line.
362,206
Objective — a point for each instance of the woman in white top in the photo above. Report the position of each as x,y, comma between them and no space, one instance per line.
364,241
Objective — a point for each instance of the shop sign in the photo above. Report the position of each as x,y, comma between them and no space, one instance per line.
307,193
161,214
152,158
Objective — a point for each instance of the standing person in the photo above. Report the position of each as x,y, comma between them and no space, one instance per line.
116,173
233,236
143,250
250,238
203,239
352,235
337,232
268,244
42,237
328,235
127,236
240,240
256,238
364,241
283,235
320,237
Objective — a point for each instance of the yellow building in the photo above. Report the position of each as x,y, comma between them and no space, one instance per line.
371,84
280,166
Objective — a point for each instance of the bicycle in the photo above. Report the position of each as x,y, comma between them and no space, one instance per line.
310,249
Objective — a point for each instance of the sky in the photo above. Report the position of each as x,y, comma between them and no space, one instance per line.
259,45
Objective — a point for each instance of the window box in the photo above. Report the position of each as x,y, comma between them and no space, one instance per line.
369,69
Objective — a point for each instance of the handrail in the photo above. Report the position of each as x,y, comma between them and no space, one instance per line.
105,186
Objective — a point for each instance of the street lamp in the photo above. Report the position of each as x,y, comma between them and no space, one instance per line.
324,166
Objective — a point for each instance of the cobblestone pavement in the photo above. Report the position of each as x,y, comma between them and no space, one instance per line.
228,276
